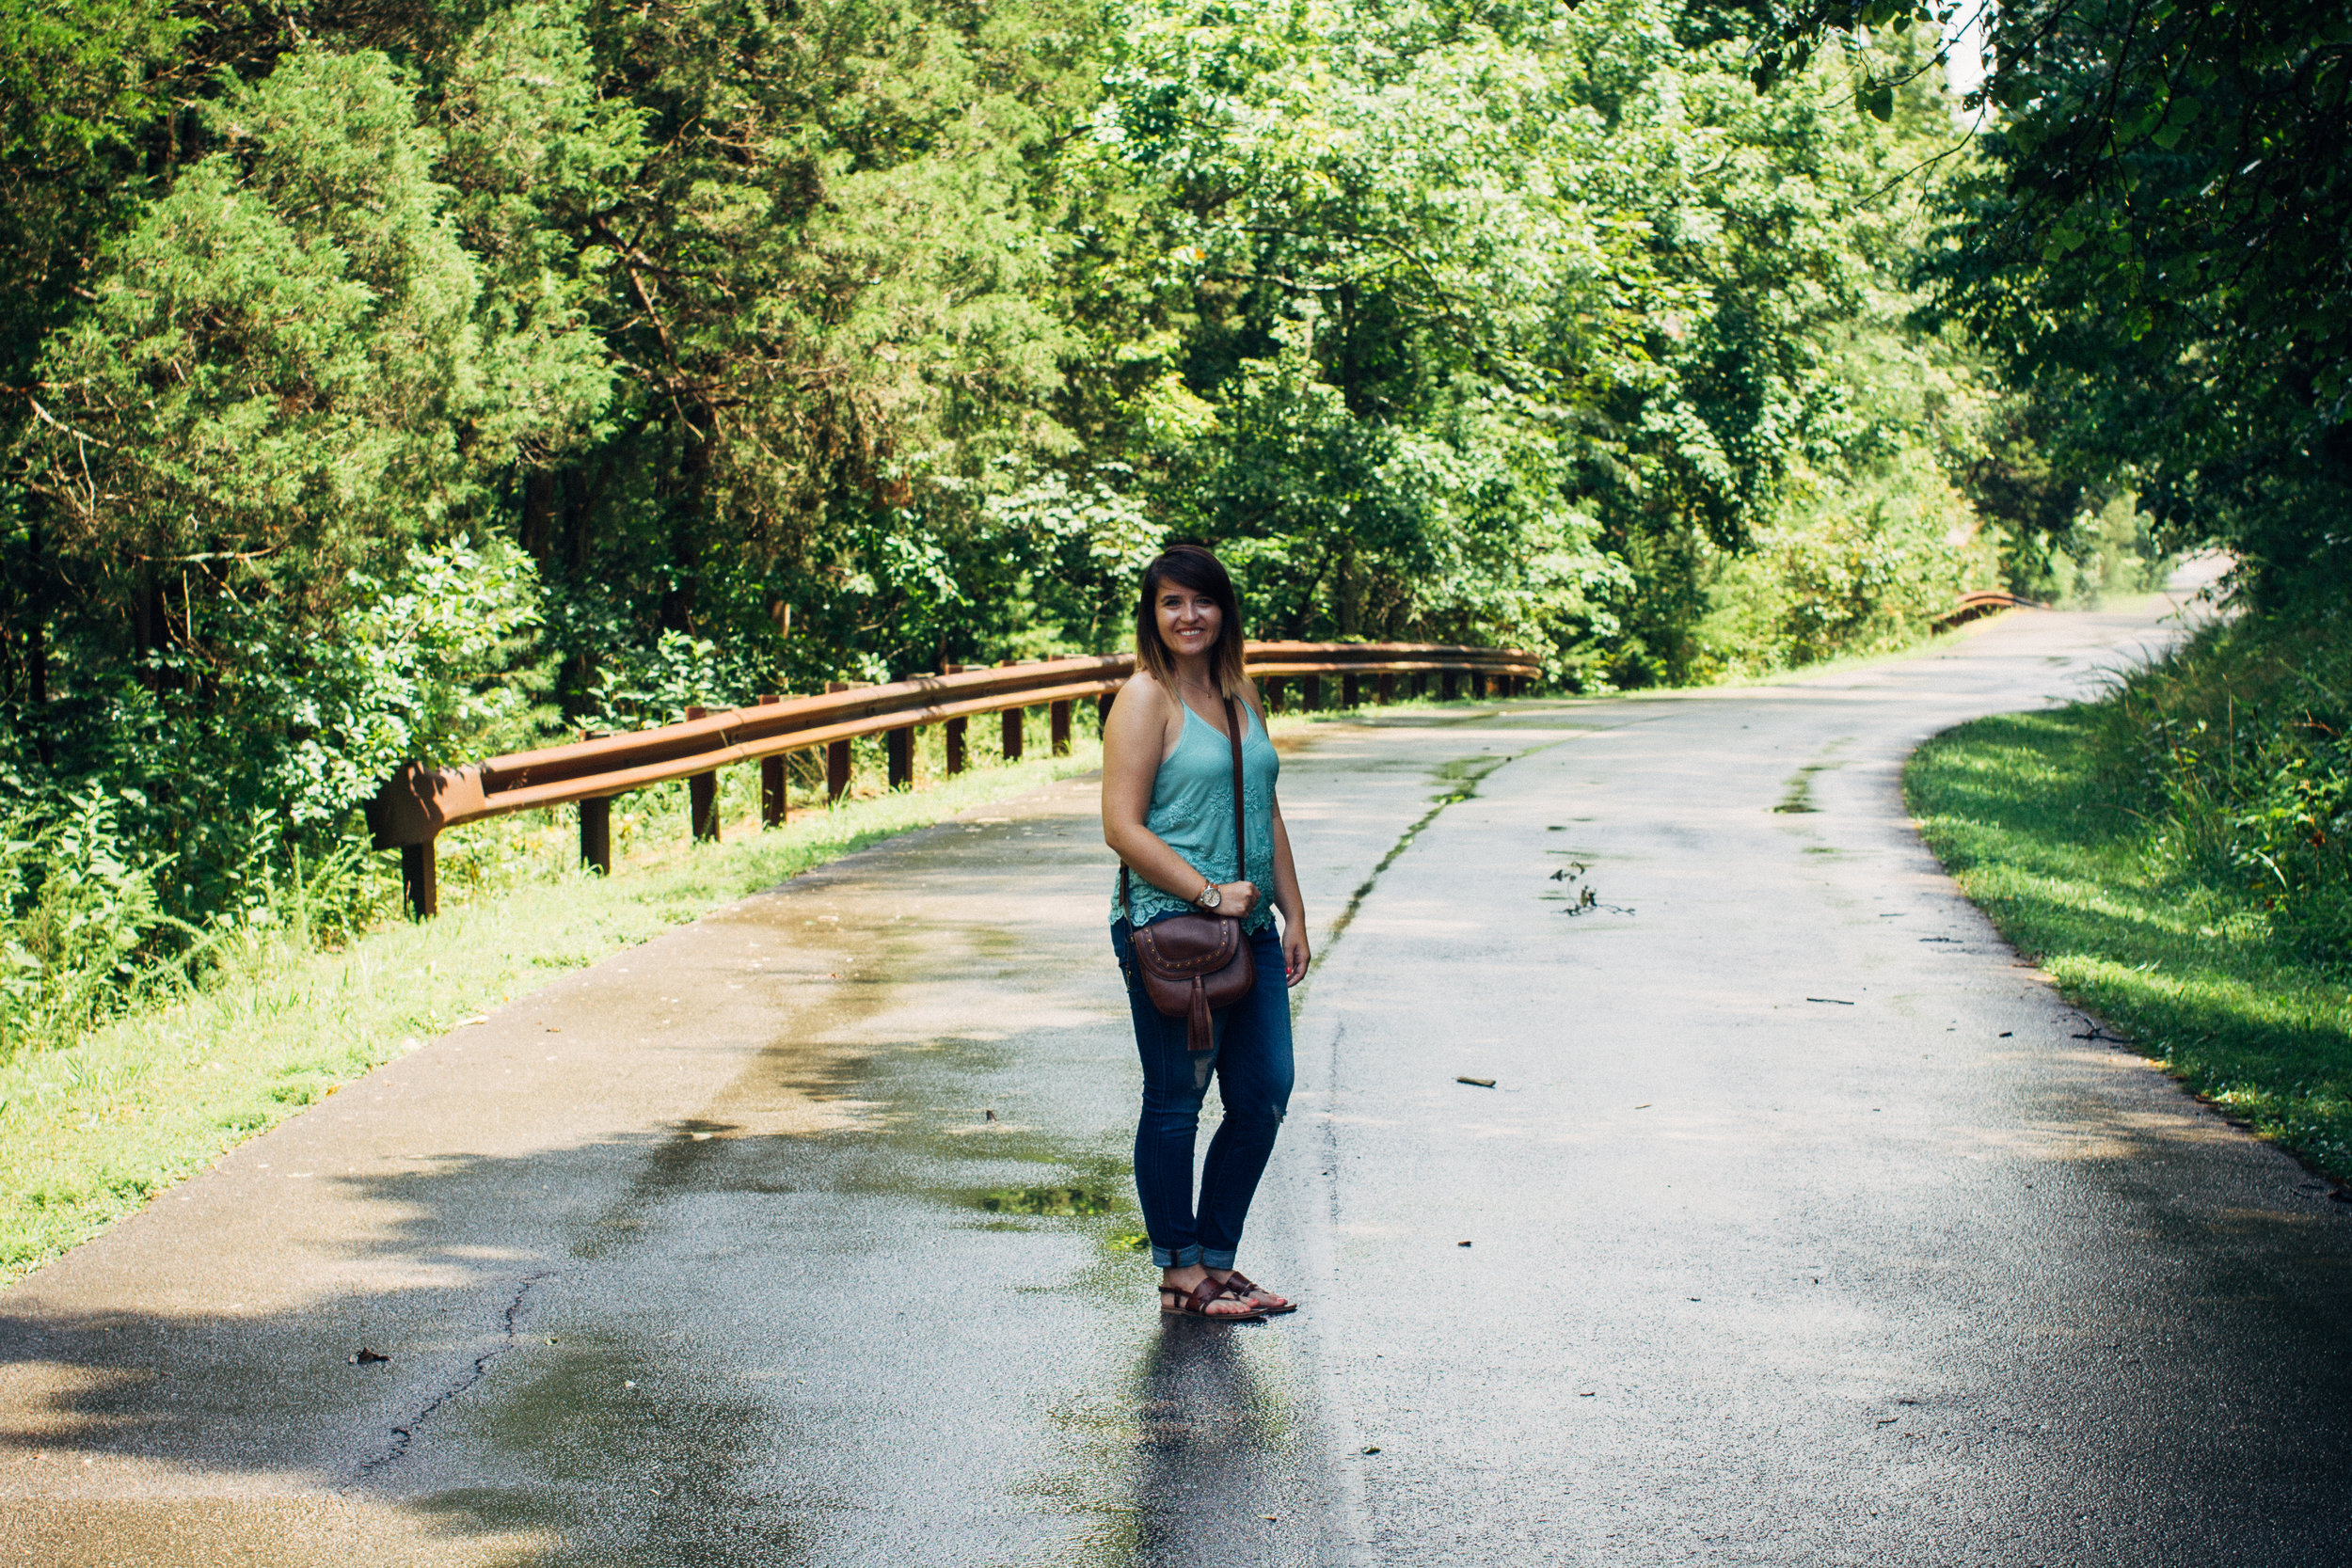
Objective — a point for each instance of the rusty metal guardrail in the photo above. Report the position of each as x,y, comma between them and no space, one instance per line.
417,803
1984,601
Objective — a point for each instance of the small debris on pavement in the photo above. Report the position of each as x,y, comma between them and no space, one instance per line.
989,1116
1646,1104
470,1022
1477,1083
2006,1033
365,1357
1372,1451
1461,1244
1833,1000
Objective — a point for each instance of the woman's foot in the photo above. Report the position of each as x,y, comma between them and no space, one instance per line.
1179,1291
1249,1291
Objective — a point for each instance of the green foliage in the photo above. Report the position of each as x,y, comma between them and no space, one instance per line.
2154,247
420,383
1512,324
2240,744
75,909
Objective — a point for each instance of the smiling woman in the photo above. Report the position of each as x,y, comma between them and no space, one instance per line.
1188,778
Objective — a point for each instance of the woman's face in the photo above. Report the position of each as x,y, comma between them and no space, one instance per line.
1189,619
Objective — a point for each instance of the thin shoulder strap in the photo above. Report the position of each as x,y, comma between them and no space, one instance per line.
1241,837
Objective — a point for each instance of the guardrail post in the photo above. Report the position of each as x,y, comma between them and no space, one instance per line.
1014,719
1348,690
1060,715
702,795
1445,685
898,745
1102,711
1311,695
419,880
837,757
955,727
596,833
1272,687
1386,689
775,805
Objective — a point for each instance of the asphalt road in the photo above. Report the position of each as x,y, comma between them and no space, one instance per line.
1805,1224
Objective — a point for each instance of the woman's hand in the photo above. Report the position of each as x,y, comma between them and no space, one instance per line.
1235,899
1294,954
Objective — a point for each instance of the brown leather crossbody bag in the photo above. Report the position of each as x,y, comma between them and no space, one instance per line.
1192,964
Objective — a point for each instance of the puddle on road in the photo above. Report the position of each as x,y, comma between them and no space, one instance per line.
597,1419
1798,801
1047,1202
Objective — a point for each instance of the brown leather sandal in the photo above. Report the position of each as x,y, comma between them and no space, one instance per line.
1195,1304
1239,1284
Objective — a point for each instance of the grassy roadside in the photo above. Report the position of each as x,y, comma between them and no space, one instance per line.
90,1131
2057,850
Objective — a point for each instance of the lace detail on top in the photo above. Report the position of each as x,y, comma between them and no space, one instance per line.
1192,812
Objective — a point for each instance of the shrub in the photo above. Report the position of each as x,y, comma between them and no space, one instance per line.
2240,744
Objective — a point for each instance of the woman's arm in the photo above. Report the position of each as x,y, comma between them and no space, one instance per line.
1287,899
1292,907
1133,737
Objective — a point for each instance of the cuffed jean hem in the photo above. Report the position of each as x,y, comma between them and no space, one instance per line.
1216,1260
1184,1257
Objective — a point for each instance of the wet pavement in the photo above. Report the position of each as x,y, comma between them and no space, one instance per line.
1805,1224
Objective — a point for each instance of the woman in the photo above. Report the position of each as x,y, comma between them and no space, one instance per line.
1168,811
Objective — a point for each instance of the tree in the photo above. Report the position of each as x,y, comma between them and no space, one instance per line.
2156,247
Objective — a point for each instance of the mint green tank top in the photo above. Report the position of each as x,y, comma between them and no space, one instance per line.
1192,810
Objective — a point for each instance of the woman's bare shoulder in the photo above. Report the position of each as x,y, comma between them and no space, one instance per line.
1143,694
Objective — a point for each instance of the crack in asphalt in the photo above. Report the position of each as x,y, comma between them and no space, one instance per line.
403,1435
1466,787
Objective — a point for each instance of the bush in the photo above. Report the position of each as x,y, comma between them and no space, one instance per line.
76,908
2240,745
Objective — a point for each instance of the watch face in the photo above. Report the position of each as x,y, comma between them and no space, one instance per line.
1210,899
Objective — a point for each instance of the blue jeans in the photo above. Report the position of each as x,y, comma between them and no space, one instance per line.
1252,1065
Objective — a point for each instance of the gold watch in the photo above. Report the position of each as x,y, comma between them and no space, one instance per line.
1210,899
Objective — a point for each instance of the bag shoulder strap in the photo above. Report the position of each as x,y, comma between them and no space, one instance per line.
1241,830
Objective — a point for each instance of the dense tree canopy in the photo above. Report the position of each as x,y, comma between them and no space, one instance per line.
392,379
2157,244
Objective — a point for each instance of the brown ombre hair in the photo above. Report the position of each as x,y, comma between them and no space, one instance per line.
1190,566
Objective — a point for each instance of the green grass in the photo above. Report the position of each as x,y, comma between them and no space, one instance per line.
90,1131
2053,850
